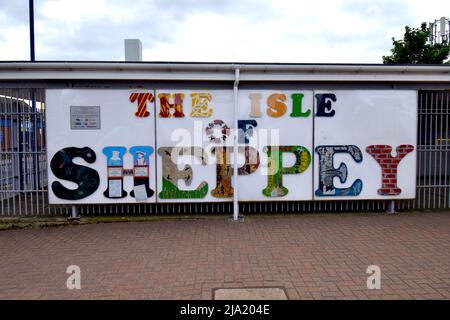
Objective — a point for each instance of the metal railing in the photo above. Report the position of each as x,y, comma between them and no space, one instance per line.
23,167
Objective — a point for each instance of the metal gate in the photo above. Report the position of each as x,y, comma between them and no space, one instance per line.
23,166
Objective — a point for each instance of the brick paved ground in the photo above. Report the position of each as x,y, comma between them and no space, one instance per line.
312,256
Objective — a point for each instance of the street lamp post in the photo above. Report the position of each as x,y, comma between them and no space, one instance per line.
33,124
31,15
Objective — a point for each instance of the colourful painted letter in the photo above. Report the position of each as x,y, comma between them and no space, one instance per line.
142,99
276,104
275,186
171,174
141,169
200,105
114,159
165,106
255,100
63,167
389,165
246,130
297,100
327,172
324,107
224,168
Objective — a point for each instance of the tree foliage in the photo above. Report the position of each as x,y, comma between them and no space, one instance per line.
414,49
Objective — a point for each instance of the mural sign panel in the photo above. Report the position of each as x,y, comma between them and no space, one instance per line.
176,145
278,127
365,144
106,162
193,130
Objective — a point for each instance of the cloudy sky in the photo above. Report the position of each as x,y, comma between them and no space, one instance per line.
313,31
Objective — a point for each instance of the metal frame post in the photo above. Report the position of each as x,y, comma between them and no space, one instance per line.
391,207
33,97
74,215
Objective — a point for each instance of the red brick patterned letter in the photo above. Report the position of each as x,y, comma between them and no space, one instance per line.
389,164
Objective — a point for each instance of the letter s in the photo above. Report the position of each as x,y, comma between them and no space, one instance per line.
86,178
276,104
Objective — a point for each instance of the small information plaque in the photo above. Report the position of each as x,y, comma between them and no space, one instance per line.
141,171
140,194
114,172
85,117
115,188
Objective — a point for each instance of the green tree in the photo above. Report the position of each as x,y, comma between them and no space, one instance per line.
414,49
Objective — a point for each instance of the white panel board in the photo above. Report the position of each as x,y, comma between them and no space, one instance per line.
365,123
190,131
275,128
118,126
363,118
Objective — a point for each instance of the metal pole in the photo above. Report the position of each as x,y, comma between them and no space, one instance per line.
74,215
31,14
33,128
20,147
235,147
33,96
391,207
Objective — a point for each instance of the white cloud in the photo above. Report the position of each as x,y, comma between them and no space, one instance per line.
350,31
14,44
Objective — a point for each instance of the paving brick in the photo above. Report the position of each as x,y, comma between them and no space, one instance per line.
311,256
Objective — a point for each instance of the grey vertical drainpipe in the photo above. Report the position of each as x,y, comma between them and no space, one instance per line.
235,147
